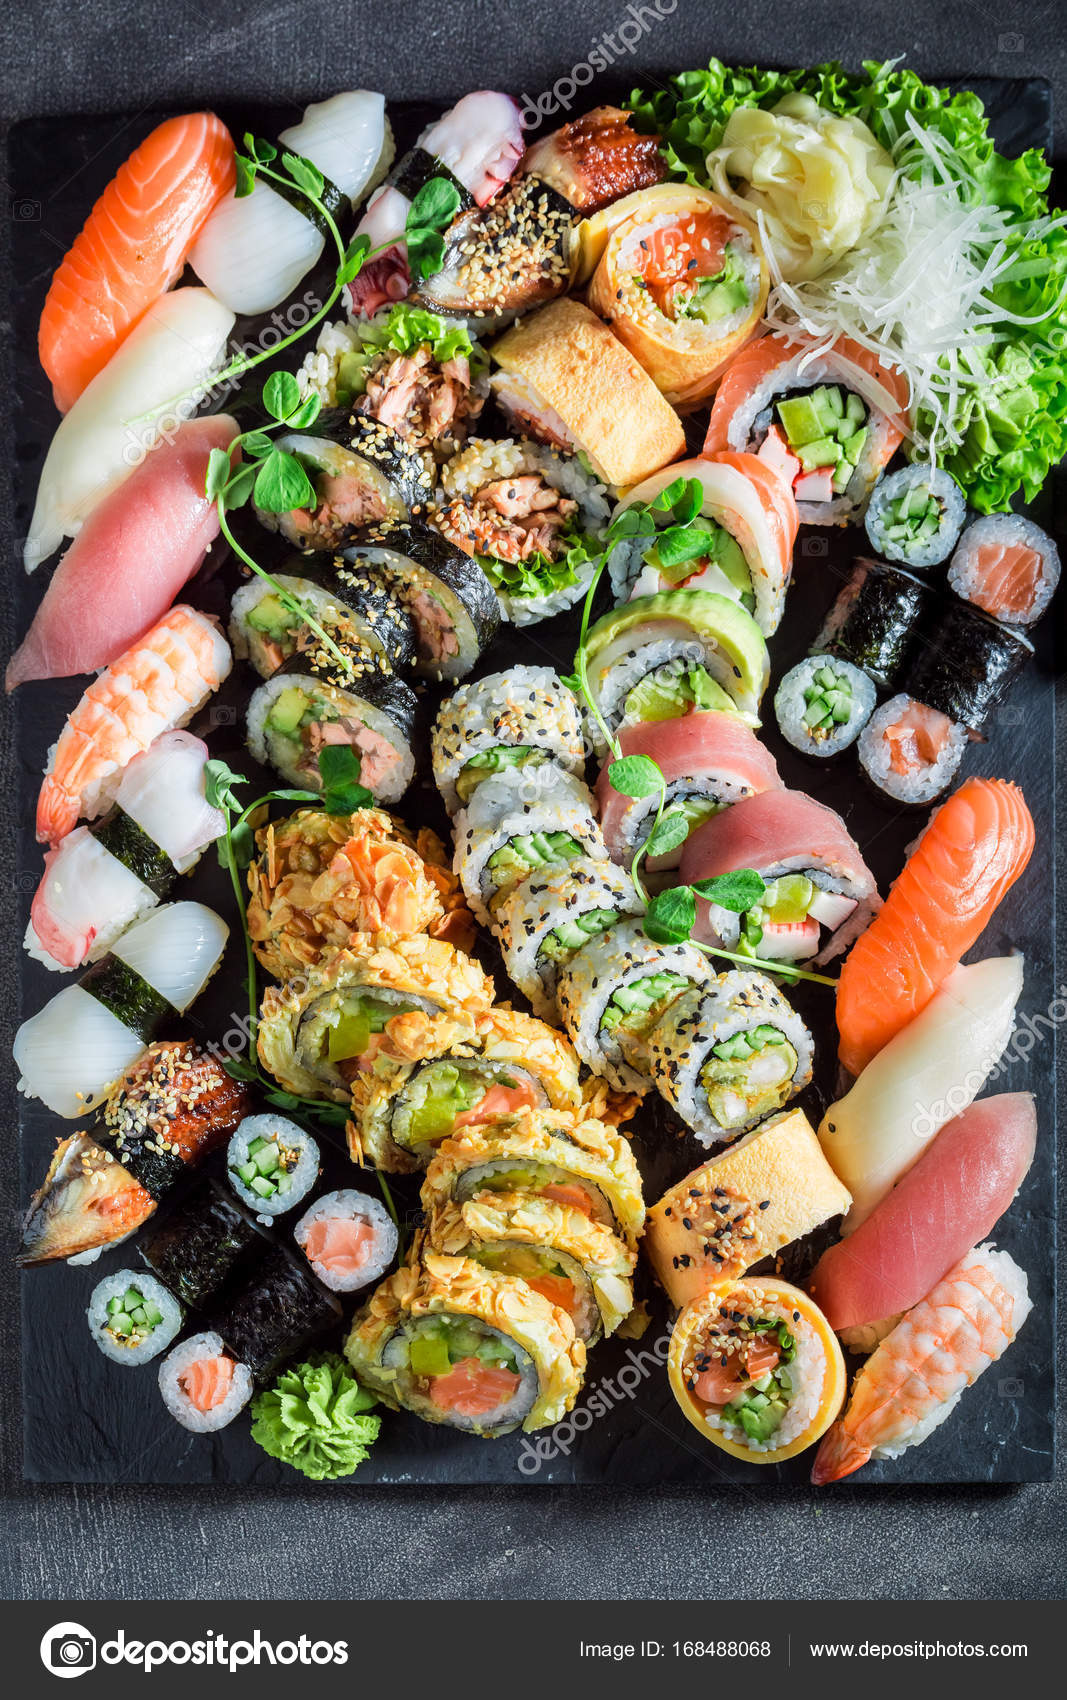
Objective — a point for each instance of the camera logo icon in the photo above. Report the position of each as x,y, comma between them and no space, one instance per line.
68,1649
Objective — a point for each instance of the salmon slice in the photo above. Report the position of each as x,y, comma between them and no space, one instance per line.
976,846
754,364
473,1389
721,1382
677,254
556,1289
1008,576
574,1196
776,497
382,875
207,1382
499,1101
132,247
916,738
339,1244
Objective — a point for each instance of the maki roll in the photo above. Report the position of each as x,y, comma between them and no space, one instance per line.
552,914
408,1104
823,704
813,872
312,703
708,761
532,518
615,989
635,651
457,1344
452,603
69,1053
203,1387
915,516
1007,566
517,822
502,259
202,1243
574,1263
272,1164
353,605
549,1154
349,1240
277,1312
132,1318
516,719
757,1370
317,1032
731,524
727,1055
828,419
682,282
874,620
964,664
362,473
102,878
909,751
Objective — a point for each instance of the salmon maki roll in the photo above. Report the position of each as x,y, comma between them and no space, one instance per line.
1007,566
349,1239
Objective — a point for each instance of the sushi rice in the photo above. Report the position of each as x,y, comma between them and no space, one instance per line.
272,1164
823,704
175,1371
915,516
518,822
975,578
133,1317
517,718
923,778
352,1263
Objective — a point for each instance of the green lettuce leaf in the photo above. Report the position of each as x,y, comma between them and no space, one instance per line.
313,1419
539,575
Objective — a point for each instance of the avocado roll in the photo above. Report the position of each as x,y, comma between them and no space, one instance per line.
519,821
874,620
203,1386
362,473
726,1055
516,719
133,1317
613,992
201,1244
404,1107
277,1312
349,1239
272,1164
452,603
352,604
318,1031
964,663
311,703
549,916
915,515
574,1263
823,704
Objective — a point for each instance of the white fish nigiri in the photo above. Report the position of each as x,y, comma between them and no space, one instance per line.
92,888
147,389
927,1075
253,251
70,1051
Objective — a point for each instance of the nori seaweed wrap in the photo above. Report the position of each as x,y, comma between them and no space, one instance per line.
200,1245
170,1109
875,619
362,613
311,703
362,472
278,1311
453,604
964,663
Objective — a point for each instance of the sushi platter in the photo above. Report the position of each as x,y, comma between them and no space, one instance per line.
546,1083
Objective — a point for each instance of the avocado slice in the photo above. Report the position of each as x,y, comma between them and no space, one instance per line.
287,710
727,633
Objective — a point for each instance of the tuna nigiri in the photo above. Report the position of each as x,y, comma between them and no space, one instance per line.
128,562
149,386
915,1378
974,849
931,1072
155,686
951,1198
132,247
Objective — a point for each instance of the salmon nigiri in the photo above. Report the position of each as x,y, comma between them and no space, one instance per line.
974,849
132,247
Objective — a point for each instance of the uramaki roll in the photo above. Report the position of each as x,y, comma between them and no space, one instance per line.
682,282
770,1188
567,380
757,1370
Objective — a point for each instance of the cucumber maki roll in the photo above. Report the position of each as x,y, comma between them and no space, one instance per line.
728,1054
277,1312
915,516
517,822
552,914
201,1244
272,1164
823,704
451,601
203,1386
874,620
358,611
311,703
133,1317
362,473
516,719
349,1239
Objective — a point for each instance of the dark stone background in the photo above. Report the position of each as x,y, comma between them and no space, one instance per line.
70,1543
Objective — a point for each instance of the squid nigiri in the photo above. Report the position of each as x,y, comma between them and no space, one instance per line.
128,562
924,1077
132,247
151,384
155,686
915,1378
974,849
951,1198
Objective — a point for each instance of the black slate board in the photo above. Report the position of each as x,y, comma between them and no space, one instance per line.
89,1421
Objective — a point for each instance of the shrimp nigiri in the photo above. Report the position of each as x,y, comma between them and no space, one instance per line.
132,247
915,1378
156,686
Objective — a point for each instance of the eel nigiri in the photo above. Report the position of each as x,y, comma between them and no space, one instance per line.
931,1072
128,562
152,383
974,849
157,685
132,247
951,1198
915,1378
